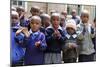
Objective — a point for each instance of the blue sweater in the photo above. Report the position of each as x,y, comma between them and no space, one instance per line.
17,52
54,45
33,54
24,22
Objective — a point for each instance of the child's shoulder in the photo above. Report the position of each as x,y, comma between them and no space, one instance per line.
49,29
41,33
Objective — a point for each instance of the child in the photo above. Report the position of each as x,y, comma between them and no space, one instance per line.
74,16
17,52
23,21
64,13
55,40
34,41
45,20
86,52
63,23
70,51
35,10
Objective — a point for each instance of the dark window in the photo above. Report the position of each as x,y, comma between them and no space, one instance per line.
14,2
20,3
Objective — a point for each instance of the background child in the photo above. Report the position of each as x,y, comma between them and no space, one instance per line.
74,16
23,21
34,41
86,52
63,22
35,10
17,52
64,13
70,51
45,20
55,40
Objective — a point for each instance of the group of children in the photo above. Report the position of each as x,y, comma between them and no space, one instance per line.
50,39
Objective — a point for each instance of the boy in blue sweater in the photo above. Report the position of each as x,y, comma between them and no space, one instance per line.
55,40
17,52
33,41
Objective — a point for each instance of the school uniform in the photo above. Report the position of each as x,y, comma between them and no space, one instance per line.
77,20
70,55
17,52
24,22
33,55
53,51
86,48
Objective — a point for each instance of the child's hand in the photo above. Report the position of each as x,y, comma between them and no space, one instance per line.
25,31
37,44
57,34
70,46
19,30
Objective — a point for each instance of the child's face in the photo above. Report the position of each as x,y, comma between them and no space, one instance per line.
62,21
20,11
35,25
70,30
74,14
14,19
55,21
85,18
46,21
35,11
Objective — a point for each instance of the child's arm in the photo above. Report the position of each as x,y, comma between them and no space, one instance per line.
21,37
62,37
49,36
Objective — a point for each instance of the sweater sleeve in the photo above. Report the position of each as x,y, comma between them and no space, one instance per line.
21,40
62,38
49,35
43,42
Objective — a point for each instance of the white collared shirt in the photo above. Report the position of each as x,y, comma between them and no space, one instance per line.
68,36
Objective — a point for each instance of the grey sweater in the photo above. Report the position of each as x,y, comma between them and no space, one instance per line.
86,46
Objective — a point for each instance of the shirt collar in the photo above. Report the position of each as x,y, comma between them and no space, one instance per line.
68,36
52,27
30,31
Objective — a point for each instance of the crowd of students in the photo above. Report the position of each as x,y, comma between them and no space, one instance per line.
51,39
